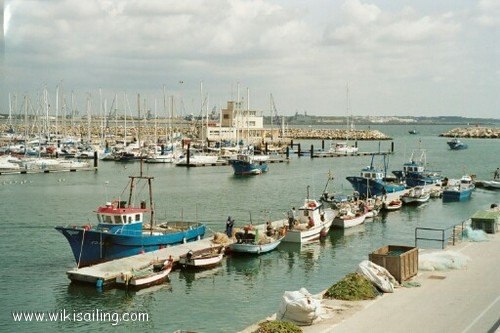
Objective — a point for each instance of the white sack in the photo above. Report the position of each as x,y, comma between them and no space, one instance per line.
378,276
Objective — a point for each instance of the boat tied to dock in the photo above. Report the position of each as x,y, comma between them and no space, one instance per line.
121,231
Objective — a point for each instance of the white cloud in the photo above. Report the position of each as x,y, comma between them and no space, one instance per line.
303,52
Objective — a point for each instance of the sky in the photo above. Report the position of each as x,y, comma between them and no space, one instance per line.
397,58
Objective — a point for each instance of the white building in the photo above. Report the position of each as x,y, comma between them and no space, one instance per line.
237,124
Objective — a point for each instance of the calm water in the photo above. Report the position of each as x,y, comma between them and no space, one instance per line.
34,257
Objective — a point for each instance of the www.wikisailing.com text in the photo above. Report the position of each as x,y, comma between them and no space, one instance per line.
79,316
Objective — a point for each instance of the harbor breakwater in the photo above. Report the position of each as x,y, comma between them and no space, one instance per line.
473,132
336,134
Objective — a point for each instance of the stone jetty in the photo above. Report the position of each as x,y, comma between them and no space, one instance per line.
335,134
473,132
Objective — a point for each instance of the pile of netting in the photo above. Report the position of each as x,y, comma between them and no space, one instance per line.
442,260
473,235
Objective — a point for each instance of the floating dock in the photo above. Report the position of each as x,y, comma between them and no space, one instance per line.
366,153
273,159
108,271
35,171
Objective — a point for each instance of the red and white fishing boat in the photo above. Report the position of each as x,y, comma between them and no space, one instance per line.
312,223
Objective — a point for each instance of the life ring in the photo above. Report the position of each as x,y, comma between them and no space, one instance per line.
312,205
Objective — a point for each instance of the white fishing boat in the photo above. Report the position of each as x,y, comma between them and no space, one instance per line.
313,221
203,259
394,204
252,242
348,217
154,273
415,196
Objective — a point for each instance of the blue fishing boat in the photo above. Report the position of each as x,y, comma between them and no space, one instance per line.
248,164
458,189
372,181
415,173
121,231
456,144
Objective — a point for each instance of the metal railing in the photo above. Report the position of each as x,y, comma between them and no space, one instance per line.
442,234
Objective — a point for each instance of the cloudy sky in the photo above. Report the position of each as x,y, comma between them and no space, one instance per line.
400,57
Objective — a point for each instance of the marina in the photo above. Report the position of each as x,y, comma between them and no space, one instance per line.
254,285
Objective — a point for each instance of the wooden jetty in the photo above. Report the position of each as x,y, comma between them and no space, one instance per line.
105,274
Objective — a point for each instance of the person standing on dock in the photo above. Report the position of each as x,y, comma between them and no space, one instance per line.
229,227
496,174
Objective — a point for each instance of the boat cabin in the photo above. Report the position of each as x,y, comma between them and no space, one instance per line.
413,168
117,214
311,212
371,173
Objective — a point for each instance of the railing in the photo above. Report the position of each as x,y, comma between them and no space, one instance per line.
442,234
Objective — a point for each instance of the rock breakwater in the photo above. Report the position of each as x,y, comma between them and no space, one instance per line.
336,134
473,132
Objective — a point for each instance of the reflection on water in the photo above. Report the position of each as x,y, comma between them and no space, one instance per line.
243,289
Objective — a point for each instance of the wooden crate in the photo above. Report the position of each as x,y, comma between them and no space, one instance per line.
400,261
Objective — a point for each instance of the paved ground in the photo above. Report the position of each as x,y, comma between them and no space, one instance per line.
466,300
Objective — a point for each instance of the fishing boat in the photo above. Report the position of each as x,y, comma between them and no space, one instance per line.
413,131
456,144
373,181
458,189
313,221
415,196
415,173
121,231
248,164
150,275
392,205
351,215
252,241
203,259
333,199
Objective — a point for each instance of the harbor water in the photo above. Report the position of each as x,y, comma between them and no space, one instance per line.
243,290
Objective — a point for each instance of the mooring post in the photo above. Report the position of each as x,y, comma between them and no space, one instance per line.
392,146
298,149
187,152
95,159
287,152
323,144
312,151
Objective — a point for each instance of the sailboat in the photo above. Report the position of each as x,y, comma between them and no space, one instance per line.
344,147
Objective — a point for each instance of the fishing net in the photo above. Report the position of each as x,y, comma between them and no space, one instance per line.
221,238
441,261
474,235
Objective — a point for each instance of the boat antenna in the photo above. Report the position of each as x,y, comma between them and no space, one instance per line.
307,192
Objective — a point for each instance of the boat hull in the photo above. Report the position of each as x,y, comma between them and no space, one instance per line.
203,259
252,248
373,187
451,195
409,200
243,168
311,234
152,279
94,246
344,222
